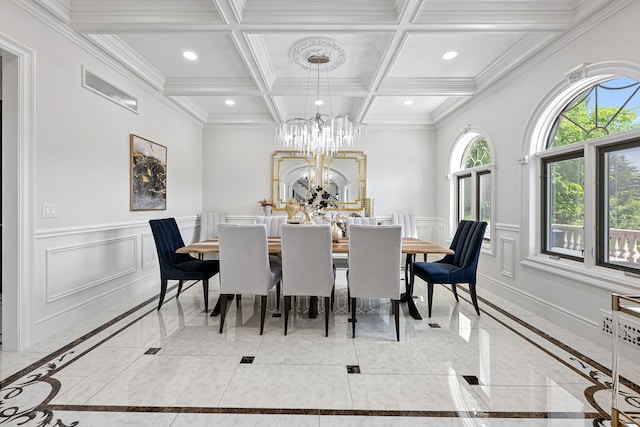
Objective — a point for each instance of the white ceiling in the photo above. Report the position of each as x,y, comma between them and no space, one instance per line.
393,51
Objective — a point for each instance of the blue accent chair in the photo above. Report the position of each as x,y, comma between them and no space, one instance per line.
181,267
458,268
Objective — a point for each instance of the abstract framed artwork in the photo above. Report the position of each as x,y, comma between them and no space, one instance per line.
148,175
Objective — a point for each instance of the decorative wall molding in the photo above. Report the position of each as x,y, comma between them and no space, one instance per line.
514,228
66,267
507,257
149,255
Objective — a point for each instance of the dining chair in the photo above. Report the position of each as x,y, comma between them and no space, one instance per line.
457,268
273,223
307,266
409,229
375,254
175,266
245,266
360,220
209,224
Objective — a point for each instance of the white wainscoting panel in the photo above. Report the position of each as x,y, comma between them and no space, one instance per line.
149,255
76,268
507,256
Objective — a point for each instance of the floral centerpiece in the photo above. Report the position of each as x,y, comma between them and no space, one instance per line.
267,205
319,200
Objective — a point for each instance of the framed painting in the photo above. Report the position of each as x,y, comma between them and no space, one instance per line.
148,175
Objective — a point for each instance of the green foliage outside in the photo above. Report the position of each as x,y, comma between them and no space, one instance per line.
567,177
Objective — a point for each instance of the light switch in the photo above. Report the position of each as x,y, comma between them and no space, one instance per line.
49,210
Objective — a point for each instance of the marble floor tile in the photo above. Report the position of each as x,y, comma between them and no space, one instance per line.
156,380
288,386
134,365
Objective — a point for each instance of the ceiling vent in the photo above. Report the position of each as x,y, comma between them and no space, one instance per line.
109,91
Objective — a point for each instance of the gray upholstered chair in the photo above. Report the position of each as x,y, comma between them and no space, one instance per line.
307,266
409,229
273,224
209,224
374,261
245,266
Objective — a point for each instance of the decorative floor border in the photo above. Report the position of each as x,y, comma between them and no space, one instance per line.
20,404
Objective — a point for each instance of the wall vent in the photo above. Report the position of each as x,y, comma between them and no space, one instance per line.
102,87
628,333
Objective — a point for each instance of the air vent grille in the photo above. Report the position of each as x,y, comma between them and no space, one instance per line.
109,91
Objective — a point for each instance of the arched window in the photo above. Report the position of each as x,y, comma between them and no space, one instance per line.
471,169
591,177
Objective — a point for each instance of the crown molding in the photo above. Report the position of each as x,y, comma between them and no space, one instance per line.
298,87
316,11
58,8
191,107
179,86
129,58
258,48
428,86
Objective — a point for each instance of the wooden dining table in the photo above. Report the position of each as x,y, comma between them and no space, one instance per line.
410,246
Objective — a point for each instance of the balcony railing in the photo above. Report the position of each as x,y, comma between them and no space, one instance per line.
623,244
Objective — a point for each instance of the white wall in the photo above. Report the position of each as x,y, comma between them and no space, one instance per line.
401,171
574,300
95,252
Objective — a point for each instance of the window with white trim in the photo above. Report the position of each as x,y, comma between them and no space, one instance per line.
472,166
591,142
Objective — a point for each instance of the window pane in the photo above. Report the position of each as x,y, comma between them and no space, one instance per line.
484,201
622,205
565,206
464,197
605,109
477,153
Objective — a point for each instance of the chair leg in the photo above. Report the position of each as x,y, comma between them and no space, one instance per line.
287,307
278,287
238,298
263,310
223,309
396,313
353,317
348,300
163,291
333,296
180,282
327,303
430,296
474,297
205,290
455,291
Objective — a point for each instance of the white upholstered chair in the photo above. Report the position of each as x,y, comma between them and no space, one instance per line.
409,229
361,220
307,266
374,261
273,224
245,266
407,222
209,224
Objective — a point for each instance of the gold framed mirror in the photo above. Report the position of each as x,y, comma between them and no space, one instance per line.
344,174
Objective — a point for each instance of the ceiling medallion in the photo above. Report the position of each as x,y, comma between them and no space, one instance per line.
318,47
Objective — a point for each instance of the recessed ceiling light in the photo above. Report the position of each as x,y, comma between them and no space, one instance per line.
450,55
408,102
319,102
230,102
191,56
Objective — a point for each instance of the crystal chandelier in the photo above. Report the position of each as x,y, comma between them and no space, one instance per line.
322,133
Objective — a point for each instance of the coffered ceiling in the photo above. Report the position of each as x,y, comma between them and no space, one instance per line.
393,51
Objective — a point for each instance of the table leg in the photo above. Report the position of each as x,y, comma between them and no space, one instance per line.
216,309
408,295
313,307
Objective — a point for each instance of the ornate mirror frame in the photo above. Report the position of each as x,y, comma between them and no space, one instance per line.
344,174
